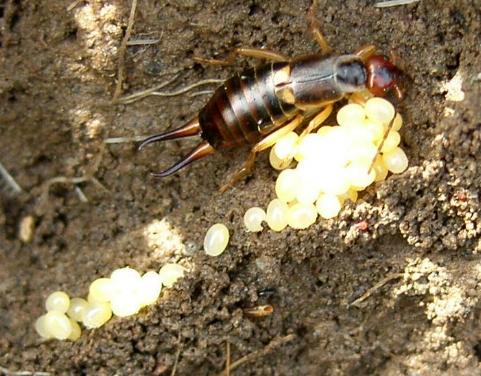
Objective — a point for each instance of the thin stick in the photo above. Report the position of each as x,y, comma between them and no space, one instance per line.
201,92
7,372
10,180
379,148
73,5
394,3
227,358
141,42
123,47
187,88
121,140
174,369
376,287
81,194
256,354
144,93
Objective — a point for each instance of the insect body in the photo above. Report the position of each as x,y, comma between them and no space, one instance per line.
260,105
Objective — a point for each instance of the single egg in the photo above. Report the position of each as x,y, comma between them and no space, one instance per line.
286,146
350,114
150,287
277,215
57,301
101,290
96,315
301,216
216,239
57,324
125,276
41,327
124,281
278,163
396,160
398,122
286,185
253,219
125,305
328,206
77,309
379,110
170,273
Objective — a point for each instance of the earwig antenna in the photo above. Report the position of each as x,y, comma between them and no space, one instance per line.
202,150
378,152
191,128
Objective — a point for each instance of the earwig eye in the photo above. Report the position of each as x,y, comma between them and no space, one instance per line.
351,74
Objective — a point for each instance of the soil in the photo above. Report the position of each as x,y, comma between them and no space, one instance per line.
399,296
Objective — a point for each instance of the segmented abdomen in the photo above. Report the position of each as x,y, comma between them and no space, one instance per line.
245,109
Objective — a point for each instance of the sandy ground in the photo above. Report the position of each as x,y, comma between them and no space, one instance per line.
400,298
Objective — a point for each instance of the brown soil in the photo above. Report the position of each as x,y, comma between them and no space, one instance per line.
400,298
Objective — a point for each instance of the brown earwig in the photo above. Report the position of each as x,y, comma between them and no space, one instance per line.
260,105
259,311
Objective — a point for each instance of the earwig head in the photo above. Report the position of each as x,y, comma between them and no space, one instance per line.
383,77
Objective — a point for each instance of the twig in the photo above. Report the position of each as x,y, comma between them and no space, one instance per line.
121,140
89,176
201,92
393,3
187,88
141,42
73,5
123,47
153,90
10,180
227,358
376,287
144,93
81,194
174,369
256,354
7,372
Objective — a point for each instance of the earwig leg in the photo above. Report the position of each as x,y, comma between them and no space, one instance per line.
257,53
260,53
379,148
202,150
265,143
315,28
191,128
366,51
317,121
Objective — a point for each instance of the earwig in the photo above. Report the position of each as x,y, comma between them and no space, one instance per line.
260,105
259,311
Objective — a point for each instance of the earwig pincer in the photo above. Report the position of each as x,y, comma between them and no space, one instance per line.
260,105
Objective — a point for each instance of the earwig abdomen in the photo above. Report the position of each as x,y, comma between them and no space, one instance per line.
245,109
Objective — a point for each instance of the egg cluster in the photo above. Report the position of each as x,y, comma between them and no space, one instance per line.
123,294
333,165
